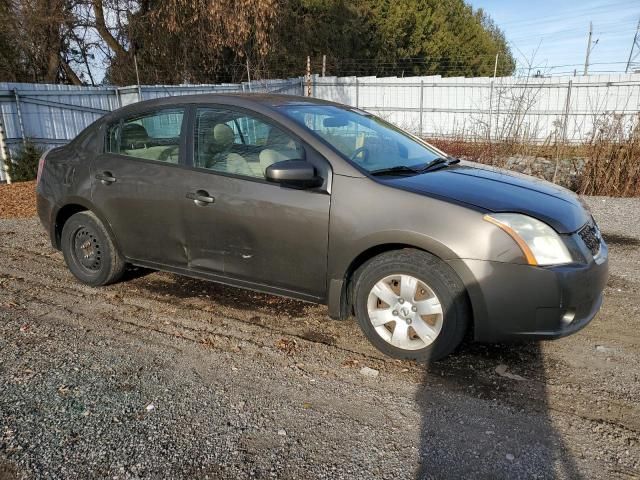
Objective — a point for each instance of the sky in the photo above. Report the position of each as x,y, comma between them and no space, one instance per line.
554,33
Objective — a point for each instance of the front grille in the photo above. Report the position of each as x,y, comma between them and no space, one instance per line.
590,235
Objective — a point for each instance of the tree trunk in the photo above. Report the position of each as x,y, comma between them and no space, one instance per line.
104,32
53,62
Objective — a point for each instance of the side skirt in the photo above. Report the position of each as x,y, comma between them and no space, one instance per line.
233,282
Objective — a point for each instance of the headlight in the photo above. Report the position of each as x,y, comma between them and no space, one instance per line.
539,242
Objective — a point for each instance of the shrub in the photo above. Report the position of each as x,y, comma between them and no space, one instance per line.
23,166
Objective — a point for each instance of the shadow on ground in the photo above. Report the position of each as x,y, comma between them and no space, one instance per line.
230,297
497,427
474,423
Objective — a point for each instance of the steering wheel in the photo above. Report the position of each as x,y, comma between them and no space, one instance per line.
170,154
364,151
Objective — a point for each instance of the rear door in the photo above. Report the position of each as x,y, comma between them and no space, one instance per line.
252,230
137,185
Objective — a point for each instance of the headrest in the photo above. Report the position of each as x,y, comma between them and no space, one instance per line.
134,134
277,138
223,135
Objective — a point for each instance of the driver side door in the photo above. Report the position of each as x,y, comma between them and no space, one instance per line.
257,233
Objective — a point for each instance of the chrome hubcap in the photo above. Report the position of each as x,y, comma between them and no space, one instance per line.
405,312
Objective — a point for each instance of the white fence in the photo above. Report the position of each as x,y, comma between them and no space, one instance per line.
526,108
51,115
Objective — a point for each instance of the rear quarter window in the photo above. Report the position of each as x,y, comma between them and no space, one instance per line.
151,136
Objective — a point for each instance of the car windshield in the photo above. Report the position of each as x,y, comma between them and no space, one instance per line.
366,140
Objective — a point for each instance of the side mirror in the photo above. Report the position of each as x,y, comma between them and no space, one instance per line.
293,173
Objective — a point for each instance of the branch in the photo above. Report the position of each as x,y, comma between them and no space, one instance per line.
82,46
104,32
71,75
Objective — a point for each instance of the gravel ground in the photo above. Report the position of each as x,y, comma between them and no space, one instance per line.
168,377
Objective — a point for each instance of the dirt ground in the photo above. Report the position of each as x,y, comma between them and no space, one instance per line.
167,377
18,200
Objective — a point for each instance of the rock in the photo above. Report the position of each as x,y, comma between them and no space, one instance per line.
369,372
282,432
510,457
150,407
603,349
502,371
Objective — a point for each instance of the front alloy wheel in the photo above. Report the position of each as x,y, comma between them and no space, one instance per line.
405,312
410,305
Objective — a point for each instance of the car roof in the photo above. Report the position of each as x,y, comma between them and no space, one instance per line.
257,101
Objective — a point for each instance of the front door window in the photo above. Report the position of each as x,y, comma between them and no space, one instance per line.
234,142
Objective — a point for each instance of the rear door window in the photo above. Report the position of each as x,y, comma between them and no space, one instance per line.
153,136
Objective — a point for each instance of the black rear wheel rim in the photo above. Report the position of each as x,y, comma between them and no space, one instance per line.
87,249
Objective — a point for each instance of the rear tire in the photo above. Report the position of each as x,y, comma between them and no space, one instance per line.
411,305
89,251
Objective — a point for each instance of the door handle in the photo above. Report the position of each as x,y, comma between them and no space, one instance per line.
201,198
106,178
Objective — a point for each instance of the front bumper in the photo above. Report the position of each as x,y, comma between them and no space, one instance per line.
515,302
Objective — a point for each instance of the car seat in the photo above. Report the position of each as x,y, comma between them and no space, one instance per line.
216,151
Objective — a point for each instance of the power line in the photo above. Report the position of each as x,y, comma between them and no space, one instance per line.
573,13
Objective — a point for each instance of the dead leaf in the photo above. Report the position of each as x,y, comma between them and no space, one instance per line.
288,346
350,363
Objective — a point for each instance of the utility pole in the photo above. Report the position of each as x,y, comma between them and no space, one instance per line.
248,75
135,64
590,46
324,65
495,71
634,45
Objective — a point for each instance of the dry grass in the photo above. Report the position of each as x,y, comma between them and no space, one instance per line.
613,159
18,200
496,153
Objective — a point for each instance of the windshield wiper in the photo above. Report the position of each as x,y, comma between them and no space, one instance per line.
398,169
437,163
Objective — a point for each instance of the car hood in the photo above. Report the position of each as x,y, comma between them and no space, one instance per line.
498,190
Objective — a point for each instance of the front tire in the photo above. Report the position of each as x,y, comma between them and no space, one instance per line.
89,251
411,305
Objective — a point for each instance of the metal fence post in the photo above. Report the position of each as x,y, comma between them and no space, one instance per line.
357,94
19,112
566,112
118,97
308,77
490,111
564,130
421,105
4,153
